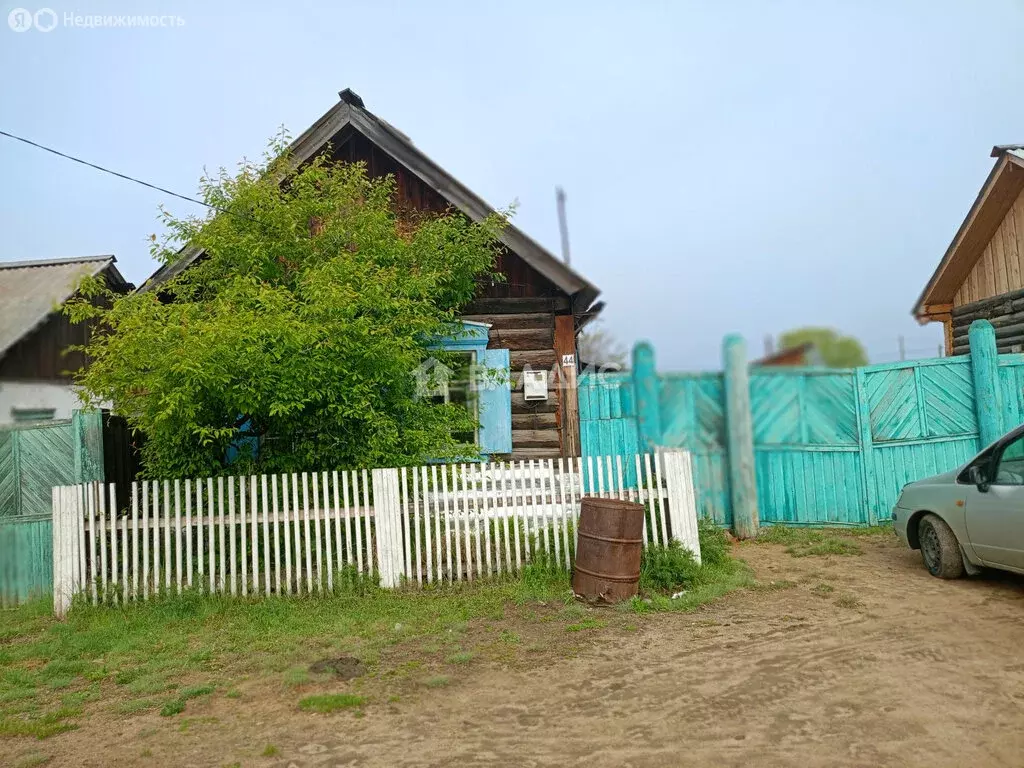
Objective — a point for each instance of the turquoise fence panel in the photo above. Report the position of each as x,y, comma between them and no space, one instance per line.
26,559
806,447
693,417
897,464
830,446
608,416
807,486
33,459
1011,381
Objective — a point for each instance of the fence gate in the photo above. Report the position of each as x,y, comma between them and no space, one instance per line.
33,459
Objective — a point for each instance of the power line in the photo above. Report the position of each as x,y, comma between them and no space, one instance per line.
53,151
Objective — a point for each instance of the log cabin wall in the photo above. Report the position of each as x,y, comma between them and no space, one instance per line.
1005,312
520,309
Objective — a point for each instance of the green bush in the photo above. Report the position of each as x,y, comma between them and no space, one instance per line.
664,569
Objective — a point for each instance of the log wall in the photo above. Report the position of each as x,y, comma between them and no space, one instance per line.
1006,313
526,328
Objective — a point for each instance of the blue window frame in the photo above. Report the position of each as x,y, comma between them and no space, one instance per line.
492,385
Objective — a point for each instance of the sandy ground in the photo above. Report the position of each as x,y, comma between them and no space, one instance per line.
892,667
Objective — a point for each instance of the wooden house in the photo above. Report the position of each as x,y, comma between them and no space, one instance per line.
981,275
802,355
529,322
35,364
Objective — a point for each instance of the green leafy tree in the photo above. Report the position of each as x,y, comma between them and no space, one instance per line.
301,326
834,349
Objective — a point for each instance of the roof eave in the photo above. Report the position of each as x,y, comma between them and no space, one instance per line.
1006,160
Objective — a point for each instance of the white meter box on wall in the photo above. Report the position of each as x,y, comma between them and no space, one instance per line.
535,385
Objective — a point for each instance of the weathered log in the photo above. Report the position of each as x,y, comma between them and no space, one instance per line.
526,454
522,338
986,303
537,360
521,405
534,420
518,306
523,320
1002,332
534,438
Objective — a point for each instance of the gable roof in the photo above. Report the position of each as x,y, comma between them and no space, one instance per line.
31,290
1004,184
350,111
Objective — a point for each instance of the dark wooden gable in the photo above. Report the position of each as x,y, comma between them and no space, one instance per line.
521,280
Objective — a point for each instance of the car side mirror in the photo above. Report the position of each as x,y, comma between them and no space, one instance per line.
977,476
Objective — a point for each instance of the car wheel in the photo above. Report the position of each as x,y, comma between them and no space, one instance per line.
939,548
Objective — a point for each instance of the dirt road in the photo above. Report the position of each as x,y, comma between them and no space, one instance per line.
848,661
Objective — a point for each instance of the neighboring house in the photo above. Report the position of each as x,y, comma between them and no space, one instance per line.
981,274
528,322
805,354
35,366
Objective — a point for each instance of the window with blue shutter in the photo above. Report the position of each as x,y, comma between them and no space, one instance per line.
491,385
494,395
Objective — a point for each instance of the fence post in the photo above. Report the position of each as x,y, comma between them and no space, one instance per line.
645,386
740,438
87,433
985,370
867,453
387,515
682,504
66,546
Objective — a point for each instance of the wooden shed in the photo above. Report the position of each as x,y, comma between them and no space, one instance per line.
535,314
981,275
36,365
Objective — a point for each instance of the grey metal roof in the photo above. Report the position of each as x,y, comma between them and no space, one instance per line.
1015,149
31,290
351,111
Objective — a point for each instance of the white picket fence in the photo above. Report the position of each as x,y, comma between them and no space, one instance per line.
296,533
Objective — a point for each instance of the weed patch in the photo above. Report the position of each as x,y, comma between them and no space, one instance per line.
331,702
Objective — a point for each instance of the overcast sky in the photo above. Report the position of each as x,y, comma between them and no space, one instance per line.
730,166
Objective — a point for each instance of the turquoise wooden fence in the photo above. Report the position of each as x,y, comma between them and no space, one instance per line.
33,459
830,446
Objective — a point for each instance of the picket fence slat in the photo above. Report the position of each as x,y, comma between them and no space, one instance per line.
294,533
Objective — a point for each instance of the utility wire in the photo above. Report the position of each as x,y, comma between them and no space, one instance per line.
107,170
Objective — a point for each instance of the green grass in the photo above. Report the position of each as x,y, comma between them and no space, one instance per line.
140,651
823,589
717,575
585,624
331,702
31,761
816,542
438,681
146,656
177,704
270,751
848,601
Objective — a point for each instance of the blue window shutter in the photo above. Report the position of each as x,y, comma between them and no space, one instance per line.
495,397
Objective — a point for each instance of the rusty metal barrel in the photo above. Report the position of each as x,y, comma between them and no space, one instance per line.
609,541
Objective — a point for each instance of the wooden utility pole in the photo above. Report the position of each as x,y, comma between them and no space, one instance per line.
563,226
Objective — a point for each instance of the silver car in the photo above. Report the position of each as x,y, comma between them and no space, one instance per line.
970,517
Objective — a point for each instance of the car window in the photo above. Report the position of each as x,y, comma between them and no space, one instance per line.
1011,464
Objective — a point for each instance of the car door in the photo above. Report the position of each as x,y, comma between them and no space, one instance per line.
995,512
